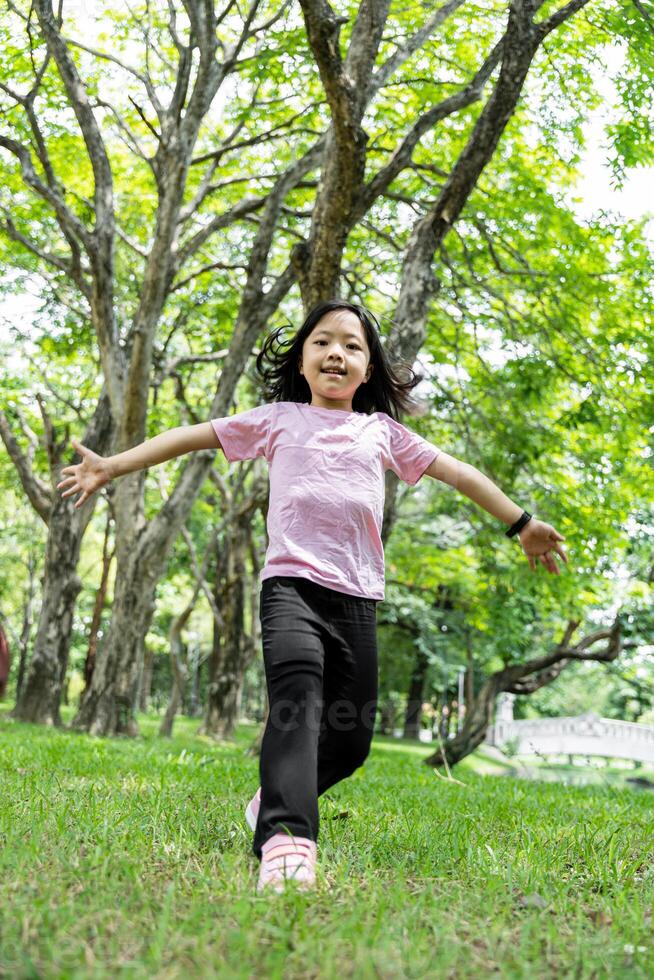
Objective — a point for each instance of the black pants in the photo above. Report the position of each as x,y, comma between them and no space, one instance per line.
320,658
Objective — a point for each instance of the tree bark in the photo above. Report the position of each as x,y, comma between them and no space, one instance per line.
98,605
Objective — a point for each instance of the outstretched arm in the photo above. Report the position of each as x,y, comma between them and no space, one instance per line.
94,471
538,539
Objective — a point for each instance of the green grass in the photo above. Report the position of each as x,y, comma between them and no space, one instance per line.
131,858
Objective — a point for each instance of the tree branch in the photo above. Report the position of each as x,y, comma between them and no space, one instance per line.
413,44
289,179
268,134
87,122
50,258
38,492
545,27
203,271
144,79
67,220
323,30
318,263
401,157
362,52
245,206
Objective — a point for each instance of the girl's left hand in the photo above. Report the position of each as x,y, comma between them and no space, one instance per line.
541,540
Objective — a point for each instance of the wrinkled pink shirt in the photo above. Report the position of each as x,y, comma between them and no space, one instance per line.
326,470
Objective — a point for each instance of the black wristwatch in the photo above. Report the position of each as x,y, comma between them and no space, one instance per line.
519,524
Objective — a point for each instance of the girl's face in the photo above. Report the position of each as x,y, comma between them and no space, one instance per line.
337,342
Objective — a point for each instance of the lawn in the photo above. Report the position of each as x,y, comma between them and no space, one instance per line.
131,858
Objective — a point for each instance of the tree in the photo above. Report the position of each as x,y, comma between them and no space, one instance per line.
40,690
135,266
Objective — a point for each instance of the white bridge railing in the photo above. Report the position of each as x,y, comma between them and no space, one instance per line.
587,735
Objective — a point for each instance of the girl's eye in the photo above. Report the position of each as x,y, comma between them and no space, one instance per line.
356,346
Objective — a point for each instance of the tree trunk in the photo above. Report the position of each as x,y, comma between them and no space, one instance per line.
22,667
192,706
166,727
24,641
5,662
109,705
180,676
40,695
469,680
178,663
413,716
255,747
228,664
415,699
146,679
98,605
387,718
479,715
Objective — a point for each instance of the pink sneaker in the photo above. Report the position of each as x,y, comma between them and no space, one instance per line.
284,858
252,810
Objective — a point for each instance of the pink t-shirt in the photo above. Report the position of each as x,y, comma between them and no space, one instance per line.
326,469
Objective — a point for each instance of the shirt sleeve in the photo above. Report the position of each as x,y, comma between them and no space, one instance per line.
407,453
246,434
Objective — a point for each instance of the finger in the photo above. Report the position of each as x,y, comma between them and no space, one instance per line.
72,491
551,565
81,449
81,500
562,553
67,482
547,562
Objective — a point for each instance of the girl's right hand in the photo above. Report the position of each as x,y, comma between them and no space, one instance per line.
88,476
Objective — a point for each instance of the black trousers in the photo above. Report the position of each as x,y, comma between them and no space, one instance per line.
320,659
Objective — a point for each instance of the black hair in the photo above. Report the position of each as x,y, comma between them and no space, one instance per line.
385,391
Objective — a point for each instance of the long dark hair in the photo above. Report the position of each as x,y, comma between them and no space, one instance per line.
384,391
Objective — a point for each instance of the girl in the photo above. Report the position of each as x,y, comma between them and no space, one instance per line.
328,432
